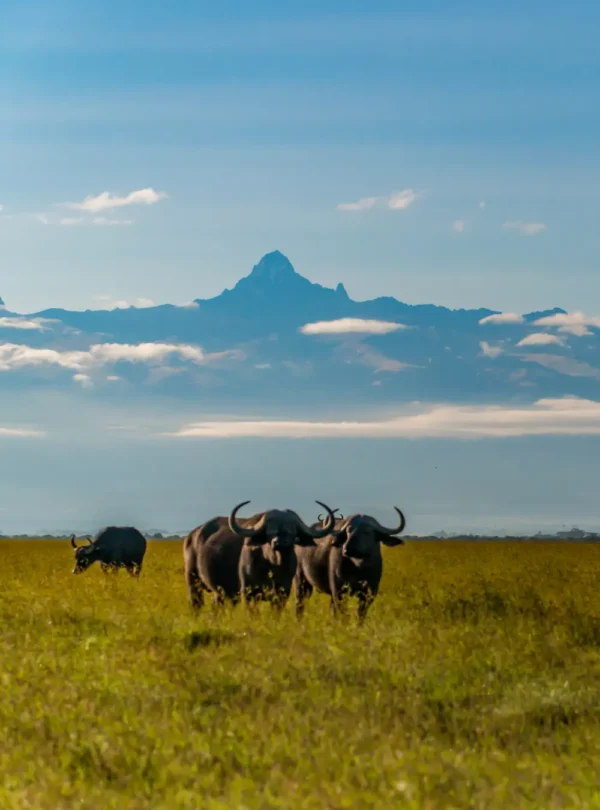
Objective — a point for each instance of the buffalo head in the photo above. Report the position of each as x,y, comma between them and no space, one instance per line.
359,536
281,529
84,555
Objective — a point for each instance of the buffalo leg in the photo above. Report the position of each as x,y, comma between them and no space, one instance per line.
195,590
365,600
338,601
302,591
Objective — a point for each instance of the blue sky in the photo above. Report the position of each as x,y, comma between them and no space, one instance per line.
257,122
442,152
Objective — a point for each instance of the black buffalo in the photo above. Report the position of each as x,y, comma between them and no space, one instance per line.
252,558
114,547
347,562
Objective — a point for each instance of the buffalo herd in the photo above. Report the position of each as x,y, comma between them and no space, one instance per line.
263,556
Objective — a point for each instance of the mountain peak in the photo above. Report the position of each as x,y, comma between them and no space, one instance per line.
273,267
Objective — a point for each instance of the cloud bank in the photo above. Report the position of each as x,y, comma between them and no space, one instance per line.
16,356
27,324
345,326
568,416
572,323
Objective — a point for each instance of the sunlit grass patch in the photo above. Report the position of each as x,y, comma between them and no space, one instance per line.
474,682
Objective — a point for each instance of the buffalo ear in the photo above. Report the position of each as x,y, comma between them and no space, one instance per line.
389,541
304,540
339,539
257,540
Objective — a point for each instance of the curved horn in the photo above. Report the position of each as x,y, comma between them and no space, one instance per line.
89,539
327,527
320,517
235,527
73,543
391,532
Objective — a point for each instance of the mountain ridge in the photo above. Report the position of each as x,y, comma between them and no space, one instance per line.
250,343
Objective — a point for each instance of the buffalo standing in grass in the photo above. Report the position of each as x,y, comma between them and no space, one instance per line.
347,562
114,547
251,558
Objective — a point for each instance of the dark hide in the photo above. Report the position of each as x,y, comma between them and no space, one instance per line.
114,547
347,562
232,567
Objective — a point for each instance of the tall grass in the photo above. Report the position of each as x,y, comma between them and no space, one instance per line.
474,683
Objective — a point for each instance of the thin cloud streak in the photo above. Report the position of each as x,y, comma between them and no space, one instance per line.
502,318
568,416
540,339
398,201
107,201
345,326
20,433
526,228
361,205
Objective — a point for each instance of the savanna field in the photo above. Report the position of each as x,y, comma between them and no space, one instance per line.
474,683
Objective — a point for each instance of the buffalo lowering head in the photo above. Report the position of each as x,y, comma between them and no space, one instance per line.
359,536
281,529
84,555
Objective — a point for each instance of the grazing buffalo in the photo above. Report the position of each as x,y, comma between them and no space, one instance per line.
250,558
346,563
114,547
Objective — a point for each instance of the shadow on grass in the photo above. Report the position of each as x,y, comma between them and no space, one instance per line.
207,638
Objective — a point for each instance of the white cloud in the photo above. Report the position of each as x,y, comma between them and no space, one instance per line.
502,318
402,200
567,416
571,323
106,201
540,339
190,305
103,221
526,228
109,303
345,326
16,356
51,219
20,432
490,351
27,324
70,221
361,205
482,204
398,201
458,225
84,379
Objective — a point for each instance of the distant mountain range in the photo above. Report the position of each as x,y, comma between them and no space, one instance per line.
278,338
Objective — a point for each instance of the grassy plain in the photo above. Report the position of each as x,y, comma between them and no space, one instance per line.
474,683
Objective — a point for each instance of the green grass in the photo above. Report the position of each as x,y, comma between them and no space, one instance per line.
474,683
